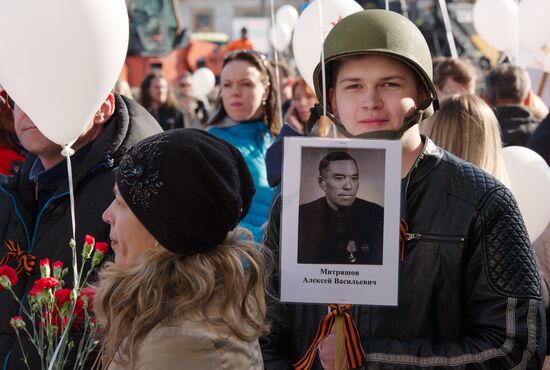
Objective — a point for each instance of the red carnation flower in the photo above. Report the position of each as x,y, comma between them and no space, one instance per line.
102,247
45,283
57,267
45,267
88,239
86,294
44,262
62,296
9,276
34,292
17,323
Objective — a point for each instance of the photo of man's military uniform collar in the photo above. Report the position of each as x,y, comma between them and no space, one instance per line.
349,235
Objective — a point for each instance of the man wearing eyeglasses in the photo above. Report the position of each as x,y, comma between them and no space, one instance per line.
34,205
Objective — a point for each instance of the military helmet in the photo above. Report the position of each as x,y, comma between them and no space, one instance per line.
376,31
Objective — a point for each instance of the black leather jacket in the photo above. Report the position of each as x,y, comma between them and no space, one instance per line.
469,292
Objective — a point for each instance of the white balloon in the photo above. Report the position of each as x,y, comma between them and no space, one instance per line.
306,43
286,15
60,59
530,181
534,28
496,22
203,82
279,36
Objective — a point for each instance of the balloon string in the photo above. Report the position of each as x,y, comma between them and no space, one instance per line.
516,36
277,74
323,72
387,4
67,152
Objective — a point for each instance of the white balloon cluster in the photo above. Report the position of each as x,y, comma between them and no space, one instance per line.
309,34
505,24
280,33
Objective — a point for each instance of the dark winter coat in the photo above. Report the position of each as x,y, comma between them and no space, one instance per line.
45,232
540,140
516,124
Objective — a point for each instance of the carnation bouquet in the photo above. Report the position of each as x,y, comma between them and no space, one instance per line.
52,310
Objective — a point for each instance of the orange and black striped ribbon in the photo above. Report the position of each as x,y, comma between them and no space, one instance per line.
26,261
403,230
354,349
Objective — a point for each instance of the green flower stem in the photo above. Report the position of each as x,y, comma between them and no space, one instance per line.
22,351
25,312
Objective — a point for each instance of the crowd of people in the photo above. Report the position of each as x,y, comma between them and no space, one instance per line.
187,191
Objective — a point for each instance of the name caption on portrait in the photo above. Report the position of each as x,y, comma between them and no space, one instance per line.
336,280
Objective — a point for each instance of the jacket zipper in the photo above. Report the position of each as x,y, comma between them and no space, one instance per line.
435,237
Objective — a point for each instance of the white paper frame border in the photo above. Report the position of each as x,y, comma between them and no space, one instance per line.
379,282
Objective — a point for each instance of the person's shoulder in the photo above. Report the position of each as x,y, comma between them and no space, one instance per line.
464,180
132,123
366,206
168,346
314,205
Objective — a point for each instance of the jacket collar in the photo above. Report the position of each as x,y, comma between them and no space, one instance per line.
427,161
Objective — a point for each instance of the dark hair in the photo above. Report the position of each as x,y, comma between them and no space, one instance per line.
258,61
145,99
507,82
458,69
332,157
437,60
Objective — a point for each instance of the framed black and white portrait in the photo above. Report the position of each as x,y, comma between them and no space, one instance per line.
340,221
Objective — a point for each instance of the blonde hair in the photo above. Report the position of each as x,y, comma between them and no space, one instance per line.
467,127
227,281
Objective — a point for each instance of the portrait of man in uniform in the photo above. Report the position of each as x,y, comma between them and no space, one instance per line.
340,228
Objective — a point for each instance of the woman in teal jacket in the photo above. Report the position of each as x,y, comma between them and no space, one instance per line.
247,117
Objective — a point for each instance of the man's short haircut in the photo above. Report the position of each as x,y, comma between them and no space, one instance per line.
334,156
458,69
507,82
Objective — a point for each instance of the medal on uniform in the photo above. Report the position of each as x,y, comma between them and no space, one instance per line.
351,248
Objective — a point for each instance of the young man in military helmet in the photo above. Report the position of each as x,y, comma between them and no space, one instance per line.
469,295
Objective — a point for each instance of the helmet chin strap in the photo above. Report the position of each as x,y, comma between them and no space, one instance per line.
419,114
